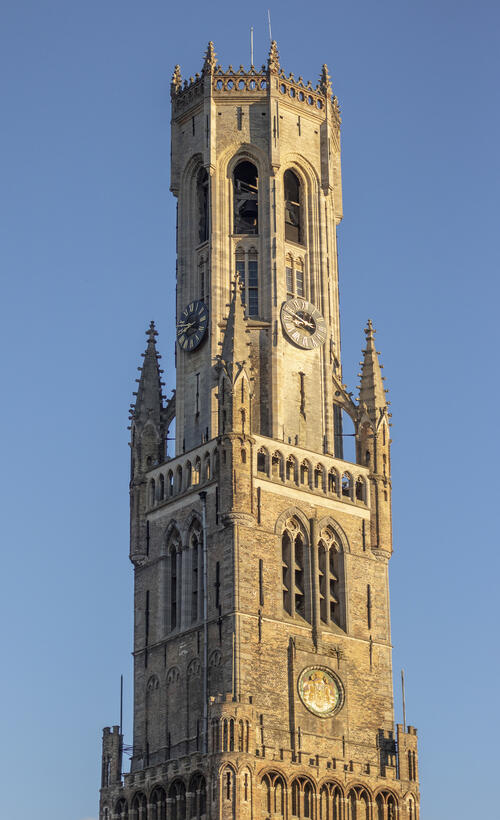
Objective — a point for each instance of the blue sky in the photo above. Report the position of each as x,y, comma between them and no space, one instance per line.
88,258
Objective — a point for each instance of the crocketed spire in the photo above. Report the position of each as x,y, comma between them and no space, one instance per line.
372,392
210,60
149,398
325,82
273,61
235,347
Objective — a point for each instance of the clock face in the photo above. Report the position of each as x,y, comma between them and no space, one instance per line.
303,323
192,325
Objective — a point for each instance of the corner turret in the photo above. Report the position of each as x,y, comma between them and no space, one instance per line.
148,435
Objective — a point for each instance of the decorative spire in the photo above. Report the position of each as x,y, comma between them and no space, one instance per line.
176,84
149,398
273,61
325,82
235,345
372,392
210,59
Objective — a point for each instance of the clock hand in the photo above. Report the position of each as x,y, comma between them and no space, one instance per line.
299,319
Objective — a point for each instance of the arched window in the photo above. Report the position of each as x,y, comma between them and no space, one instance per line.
295,798
291,469
173,583
121,809
294,563
207,471
162,487
152,492
202,197
291,187
277,465
197,471
266,785
360,489
330,571
198,790
411,809
262,461
347,485
139,807
279,797
333,481
308,800
177,800
170,481
305,473
246,198
319,477
158,804
194,578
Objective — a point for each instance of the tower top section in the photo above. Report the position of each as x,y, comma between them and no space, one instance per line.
252,83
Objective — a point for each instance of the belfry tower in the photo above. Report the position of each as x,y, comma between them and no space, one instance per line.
262,648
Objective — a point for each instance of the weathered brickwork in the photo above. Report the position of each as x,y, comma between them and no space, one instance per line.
262,646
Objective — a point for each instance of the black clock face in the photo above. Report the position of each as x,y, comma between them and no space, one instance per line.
303,323
192,325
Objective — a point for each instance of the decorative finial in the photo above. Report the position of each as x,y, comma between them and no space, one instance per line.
151,332
176,83
325,82
369,329
210,59
273,61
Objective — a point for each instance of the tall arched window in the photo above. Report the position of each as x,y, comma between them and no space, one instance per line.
295,564
291,184
330,576
246,198
202,197
177,799
173,582
194,578
198,790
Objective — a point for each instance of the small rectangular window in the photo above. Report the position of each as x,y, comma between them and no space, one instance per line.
289,281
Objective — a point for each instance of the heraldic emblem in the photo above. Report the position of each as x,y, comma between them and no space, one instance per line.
320,691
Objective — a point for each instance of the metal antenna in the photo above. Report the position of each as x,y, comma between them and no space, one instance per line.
251,46
404,702
269,24
121,703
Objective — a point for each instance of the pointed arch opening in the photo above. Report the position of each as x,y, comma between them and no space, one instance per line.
246,198
292,207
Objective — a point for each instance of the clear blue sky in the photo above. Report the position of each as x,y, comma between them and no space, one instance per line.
87,259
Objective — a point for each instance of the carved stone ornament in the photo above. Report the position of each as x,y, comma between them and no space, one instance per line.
320,690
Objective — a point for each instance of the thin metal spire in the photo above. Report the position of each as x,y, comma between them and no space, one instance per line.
269,24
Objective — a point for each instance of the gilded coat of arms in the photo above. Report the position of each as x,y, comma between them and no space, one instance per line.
320,691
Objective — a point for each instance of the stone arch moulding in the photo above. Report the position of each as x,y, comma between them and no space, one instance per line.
331,781
191,168
173,675
291,512
230,158
171,529
328,521
192,522
300,165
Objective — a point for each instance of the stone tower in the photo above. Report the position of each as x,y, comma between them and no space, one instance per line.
262,647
